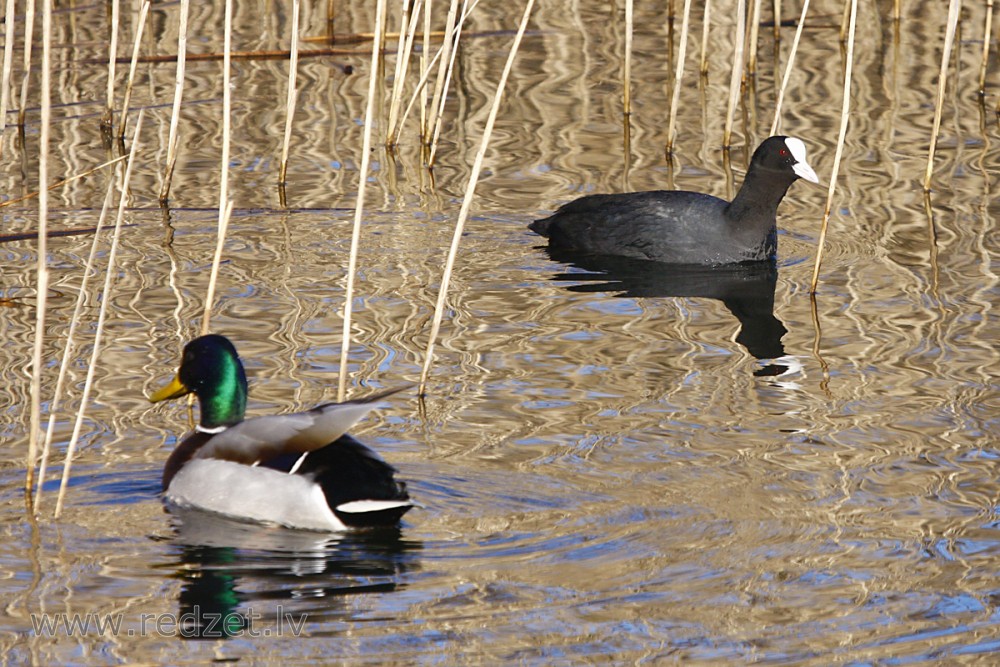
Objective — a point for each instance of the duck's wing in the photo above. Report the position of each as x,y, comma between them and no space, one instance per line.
359,486
264,438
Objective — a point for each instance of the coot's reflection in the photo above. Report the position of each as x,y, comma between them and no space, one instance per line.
746,289
252,580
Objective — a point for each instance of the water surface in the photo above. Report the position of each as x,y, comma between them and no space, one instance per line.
614,463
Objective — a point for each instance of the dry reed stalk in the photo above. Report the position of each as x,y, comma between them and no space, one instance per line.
737,73
432,153
175,112
352,259
675,97
844,115
754,37
225,206
70,344
776,123
32,195
470,191
107,122
8,63
102,315
428,130
987,34
404,47
213,277
42,280
445,81
29,27
293,65
627,69
143,12
381,35
704,37
425,66
954,9
777,23
418,6
227,111
421,90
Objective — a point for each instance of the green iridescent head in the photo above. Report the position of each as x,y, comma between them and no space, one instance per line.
210,369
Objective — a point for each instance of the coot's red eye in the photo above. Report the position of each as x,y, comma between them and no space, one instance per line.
782,152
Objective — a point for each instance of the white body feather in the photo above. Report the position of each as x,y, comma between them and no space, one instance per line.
264,495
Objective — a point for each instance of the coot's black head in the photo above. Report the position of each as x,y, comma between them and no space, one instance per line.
783,155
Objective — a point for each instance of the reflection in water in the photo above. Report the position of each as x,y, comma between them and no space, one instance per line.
746,289
237,576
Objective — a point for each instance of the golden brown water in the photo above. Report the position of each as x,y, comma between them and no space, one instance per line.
610,467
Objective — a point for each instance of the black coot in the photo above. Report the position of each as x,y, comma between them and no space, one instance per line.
686,227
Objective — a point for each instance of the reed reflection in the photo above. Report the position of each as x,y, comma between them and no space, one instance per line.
252,580
746,290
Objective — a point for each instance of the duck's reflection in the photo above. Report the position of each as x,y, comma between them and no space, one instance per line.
746,289
251,580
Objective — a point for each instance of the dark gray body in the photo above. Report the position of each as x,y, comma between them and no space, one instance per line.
681,227
666,226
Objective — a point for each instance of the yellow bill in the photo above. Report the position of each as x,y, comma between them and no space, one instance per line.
175,389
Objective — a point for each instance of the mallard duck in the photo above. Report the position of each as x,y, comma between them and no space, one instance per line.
298,470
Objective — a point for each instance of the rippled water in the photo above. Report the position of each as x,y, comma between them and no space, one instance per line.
614,462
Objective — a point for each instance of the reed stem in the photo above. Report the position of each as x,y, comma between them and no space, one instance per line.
29,27
776,123
954,9
175,113
754,37
421,90
143,12
10,36
445,51
627,69
737,73
107,122
225,205
70,344
704,37
331,16
293,64
42,271
32,195
366,149
424,68
470,191
213,277
678,76
227,111
109,277
844,115
404,47
987,36
466,8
